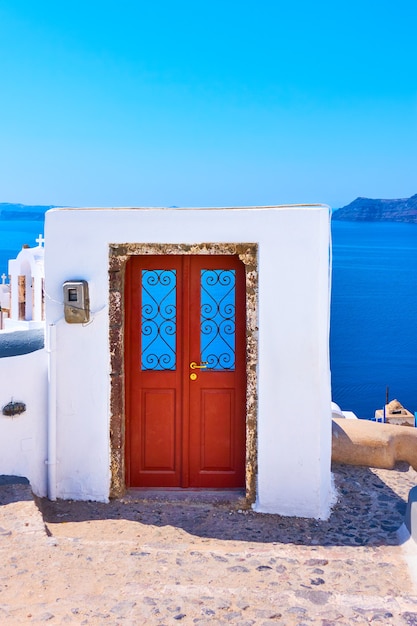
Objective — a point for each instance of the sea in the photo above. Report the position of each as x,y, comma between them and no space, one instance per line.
373,324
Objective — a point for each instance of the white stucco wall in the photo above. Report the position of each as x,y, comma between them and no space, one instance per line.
294,416
23,437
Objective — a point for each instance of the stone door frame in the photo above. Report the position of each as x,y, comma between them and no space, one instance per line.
119,254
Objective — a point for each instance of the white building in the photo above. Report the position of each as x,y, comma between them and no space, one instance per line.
189,348
26,272
4,300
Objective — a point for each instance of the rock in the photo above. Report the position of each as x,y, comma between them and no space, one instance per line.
370,210
316,597
361,442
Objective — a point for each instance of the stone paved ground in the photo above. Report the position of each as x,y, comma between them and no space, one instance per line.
160,561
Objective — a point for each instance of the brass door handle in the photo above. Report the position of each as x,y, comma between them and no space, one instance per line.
194,366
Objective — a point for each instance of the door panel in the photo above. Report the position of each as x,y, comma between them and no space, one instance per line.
158,434
217,429
185,371
152,372
218,396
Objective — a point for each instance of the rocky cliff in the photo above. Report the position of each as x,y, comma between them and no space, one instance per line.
369,210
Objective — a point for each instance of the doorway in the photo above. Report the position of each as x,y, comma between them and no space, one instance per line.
185,371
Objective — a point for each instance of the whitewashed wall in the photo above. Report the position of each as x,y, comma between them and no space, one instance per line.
294,417
23,442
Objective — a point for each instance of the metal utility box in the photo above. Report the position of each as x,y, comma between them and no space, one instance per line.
76,302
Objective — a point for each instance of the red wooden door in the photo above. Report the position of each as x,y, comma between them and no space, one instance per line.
185,371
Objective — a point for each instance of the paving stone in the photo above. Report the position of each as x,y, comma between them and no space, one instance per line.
169,562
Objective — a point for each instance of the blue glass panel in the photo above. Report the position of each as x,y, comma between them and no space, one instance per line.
218,307
159,323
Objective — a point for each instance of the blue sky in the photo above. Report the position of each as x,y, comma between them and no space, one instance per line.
209,103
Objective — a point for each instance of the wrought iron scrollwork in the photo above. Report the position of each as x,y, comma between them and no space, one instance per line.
159,323
218,319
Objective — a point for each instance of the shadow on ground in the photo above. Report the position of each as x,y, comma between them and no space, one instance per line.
14,489
368,513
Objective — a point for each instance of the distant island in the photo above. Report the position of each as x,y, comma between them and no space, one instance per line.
23,211
370,210
360,210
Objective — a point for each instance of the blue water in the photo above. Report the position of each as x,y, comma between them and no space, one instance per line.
373,338
15,233
374,315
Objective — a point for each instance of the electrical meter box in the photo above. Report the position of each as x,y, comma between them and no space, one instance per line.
76,302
